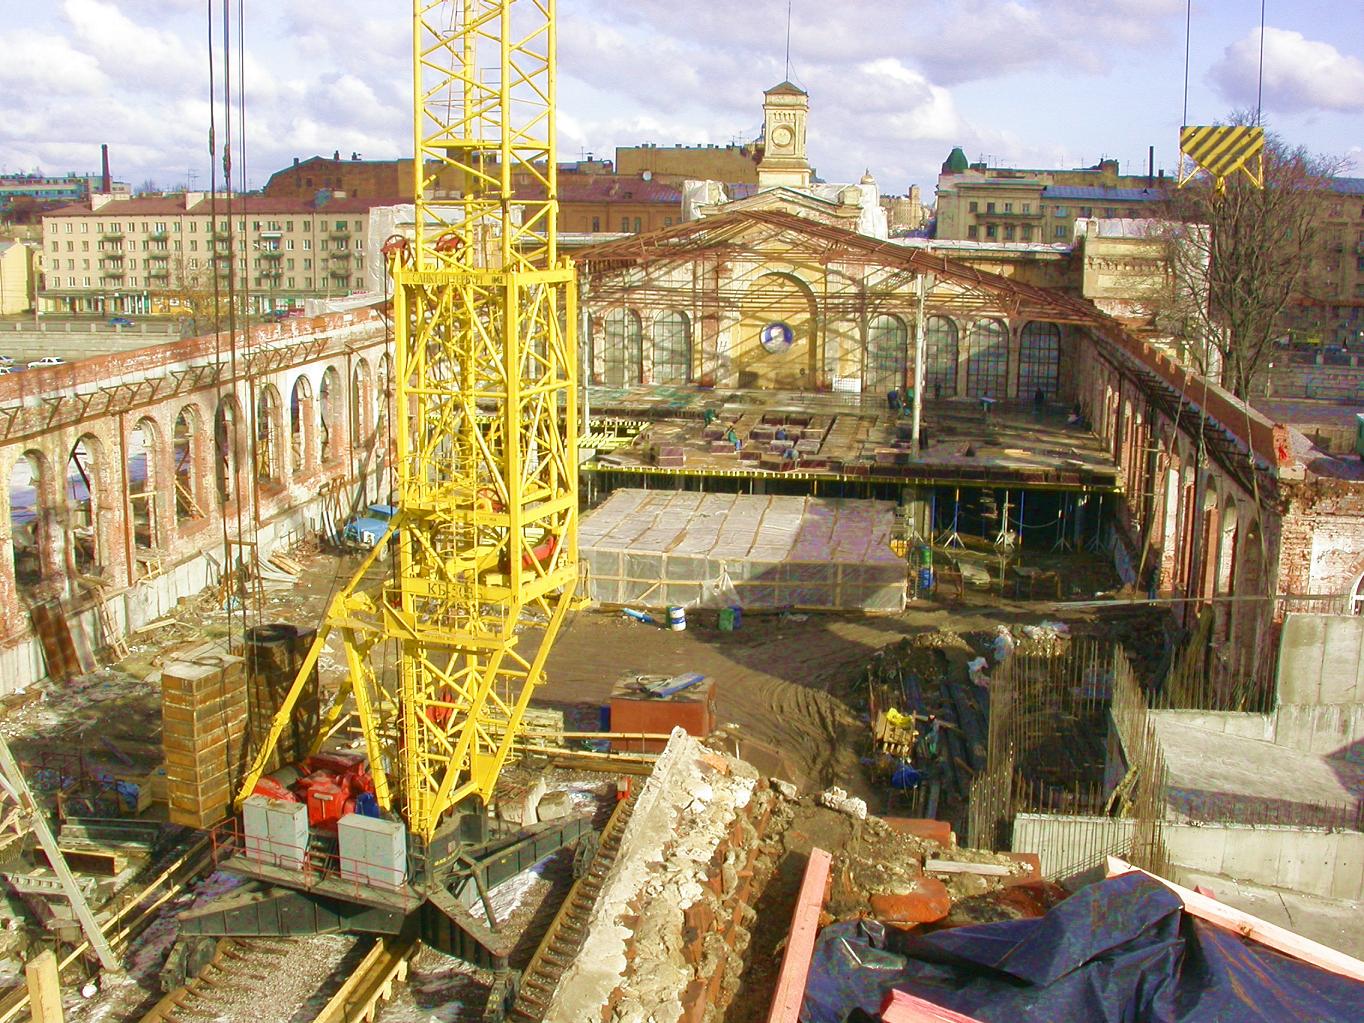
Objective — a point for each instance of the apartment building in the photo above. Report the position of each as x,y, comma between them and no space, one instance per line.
1009,204
1332,312
160,255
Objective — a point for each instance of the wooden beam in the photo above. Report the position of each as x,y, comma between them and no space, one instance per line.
1270,935
902,1007
800,943
960,867
44,988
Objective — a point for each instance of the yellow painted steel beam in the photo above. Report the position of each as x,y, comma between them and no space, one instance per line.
486,466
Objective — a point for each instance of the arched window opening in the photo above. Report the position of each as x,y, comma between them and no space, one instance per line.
26,521
622,349
987,359
887,355
226,449
360,423
142,496
1039,360
672,348
186,505
82,495
300,404
329,419
940,357
269,467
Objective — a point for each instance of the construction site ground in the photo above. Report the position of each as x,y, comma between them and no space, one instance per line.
785,692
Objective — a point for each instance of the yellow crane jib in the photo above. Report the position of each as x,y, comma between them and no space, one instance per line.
1221,150
485,426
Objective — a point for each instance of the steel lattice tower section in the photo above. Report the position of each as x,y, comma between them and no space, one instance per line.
486,414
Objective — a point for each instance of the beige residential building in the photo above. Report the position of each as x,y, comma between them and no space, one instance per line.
16,278
1009,204
158,255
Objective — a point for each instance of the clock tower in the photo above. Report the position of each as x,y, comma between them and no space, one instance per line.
785,110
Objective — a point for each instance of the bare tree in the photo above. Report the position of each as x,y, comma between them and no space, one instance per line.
191,294
1237,261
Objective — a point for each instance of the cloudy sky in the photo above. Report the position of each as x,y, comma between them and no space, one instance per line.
893,84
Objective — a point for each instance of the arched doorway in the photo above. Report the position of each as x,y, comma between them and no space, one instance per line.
776,336
987,359
672,348
622,349
940,357
1039,360
887,355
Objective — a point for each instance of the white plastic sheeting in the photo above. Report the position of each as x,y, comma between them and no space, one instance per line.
658,548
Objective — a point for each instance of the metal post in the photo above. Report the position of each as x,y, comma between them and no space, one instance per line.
918,365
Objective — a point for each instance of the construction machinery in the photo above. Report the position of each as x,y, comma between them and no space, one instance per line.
485,530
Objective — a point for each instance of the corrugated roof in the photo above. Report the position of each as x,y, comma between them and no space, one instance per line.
1102,192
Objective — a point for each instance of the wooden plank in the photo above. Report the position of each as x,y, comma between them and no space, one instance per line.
902,1007
800,942
959,867
1270,935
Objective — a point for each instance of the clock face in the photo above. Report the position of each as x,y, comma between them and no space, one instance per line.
782,136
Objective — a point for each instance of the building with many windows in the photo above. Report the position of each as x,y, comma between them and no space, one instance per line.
1007,204
159,255
1332,312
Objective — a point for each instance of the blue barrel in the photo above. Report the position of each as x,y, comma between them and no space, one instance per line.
677,618
925,579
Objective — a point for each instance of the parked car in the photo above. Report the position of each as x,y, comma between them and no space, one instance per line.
120,321
47,360
364,530
6,360
5,371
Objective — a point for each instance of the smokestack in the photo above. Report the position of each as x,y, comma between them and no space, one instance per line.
1150,165
106,185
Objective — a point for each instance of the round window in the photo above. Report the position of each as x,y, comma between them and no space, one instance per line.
776,337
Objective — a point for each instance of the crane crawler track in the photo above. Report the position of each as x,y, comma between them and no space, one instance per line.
568,930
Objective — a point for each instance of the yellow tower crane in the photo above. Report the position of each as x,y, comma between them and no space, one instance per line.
485,414
485,475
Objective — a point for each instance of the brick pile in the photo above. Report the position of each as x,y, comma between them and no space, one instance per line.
203,724
669,934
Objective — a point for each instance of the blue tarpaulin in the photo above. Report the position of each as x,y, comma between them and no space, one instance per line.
1121,951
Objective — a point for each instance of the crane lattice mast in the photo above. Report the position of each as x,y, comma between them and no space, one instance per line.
485,419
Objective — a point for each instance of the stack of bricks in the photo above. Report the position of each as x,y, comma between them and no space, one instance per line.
203,725
274,653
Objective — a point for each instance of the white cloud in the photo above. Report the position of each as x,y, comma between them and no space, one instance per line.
1299,73
37,64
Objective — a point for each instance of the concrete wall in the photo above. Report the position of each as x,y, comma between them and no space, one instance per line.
1329,864
1321,659
1335,730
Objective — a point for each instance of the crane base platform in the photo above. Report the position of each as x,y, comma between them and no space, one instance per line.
277,901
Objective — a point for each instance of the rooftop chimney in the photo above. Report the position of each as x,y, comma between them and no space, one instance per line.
106,185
